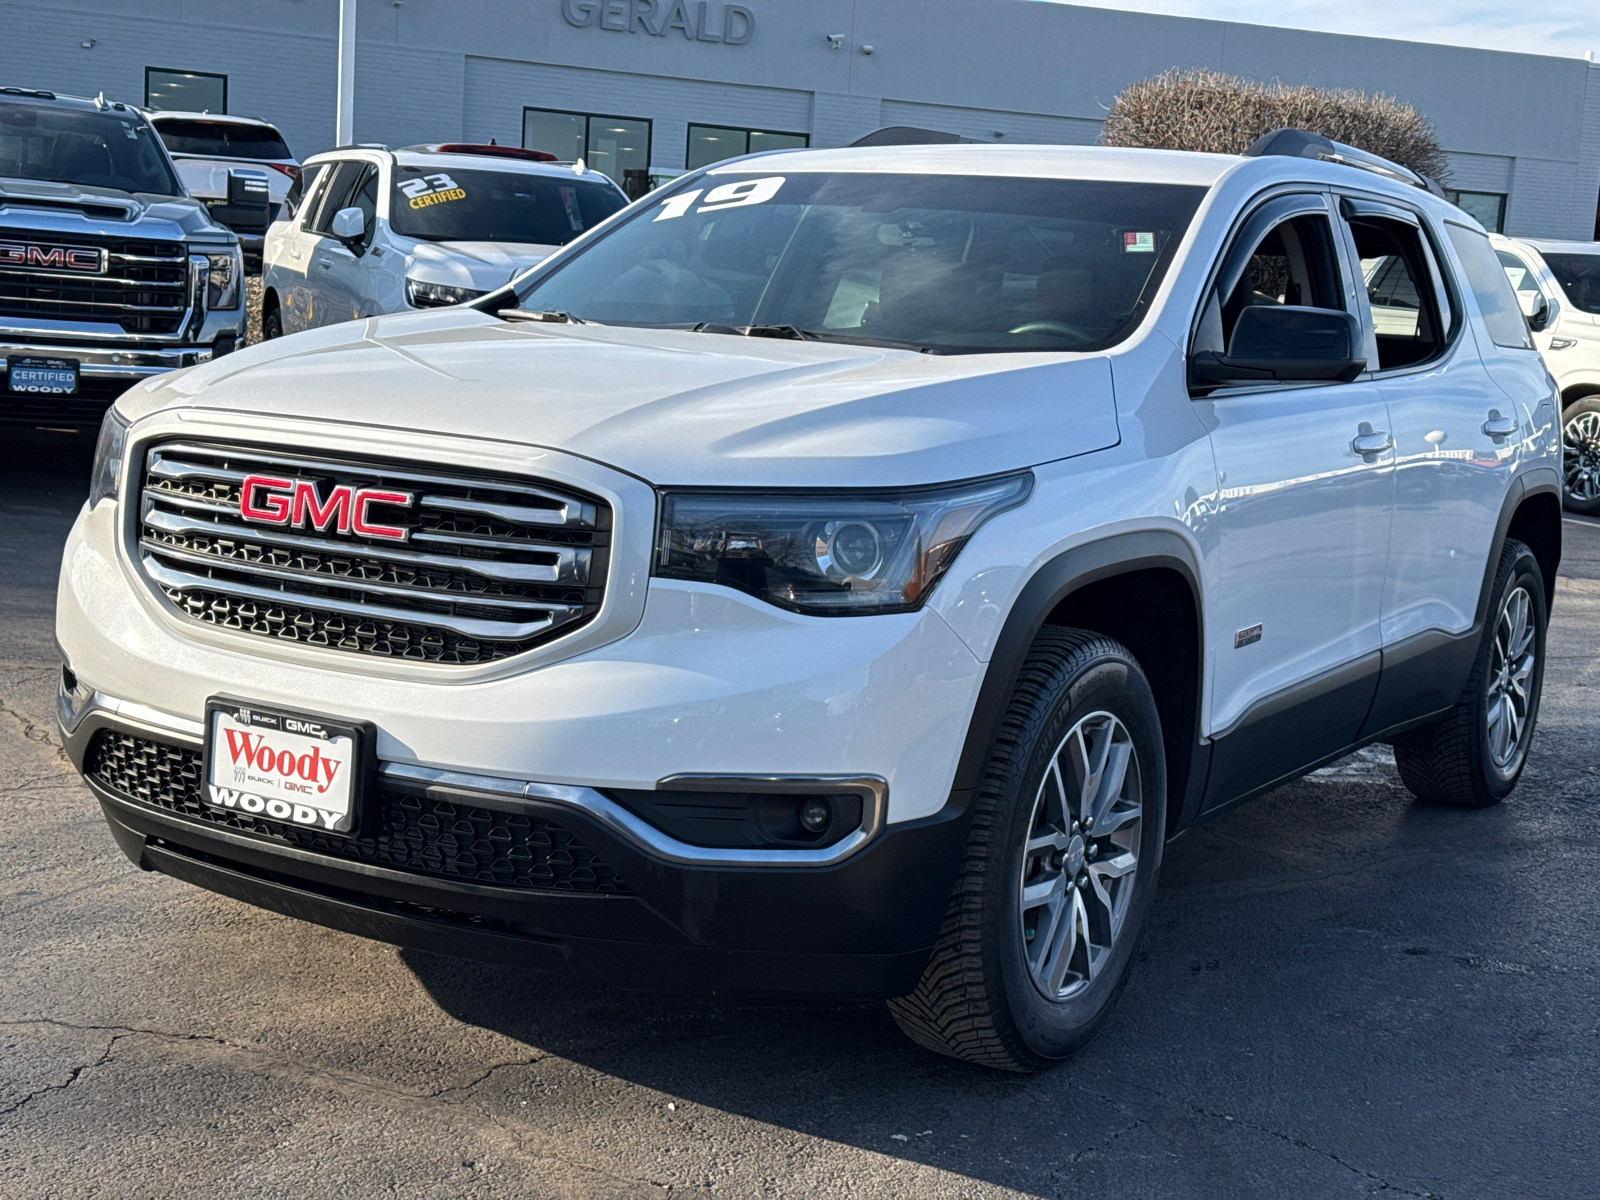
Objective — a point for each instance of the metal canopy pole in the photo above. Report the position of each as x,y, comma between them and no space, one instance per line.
346,108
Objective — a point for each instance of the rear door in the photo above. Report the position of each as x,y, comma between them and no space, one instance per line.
1307,478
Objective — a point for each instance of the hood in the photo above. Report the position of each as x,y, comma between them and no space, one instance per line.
184,217
672,407
482,266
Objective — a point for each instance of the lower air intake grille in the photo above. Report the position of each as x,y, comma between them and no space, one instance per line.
413,833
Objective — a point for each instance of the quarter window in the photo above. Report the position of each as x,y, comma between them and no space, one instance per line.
1401,293
1490,287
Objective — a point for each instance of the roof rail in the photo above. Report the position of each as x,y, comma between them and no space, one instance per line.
34,92
356,146
908,135
1302,143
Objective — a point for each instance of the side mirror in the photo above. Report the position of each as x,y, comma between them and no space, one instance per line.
1543,315
1284,343
348,224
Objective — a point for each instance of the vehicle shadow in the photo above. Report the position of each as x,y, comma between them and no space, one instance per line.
1229,1010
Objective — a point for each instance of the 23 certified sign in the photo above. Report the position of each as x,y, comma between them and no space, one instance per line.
432,189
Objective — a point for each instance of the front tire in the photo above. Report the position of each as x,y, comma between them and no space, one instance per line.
1473,757
1060,867
272,325
1580,431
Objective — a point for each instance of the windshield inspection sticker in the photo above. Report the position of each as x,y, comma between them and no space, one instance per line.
432,189
730,195
1138,243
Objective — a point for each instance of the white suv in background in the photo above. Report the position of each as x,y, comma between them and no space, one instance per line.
1558,288
239,167
371,230
841,572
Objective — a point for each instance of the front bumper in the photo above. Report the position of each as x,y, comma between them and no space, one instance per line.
862,926
104,373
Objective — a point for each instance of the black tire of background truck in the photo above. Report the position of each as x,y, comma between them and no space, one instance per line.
1580,430
1451,761
271,324
977,1000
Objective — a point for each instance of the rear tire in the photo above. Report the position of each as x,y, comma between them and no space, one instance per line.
1061,863
1473,757
1580,430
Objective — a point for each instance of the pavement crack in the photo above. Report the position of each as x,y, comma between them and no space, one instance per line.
1383,1185
32,731
72,1077
482,1078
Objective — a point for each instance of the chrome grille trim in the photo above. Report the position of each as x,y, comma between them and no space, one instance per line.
567,565
491,566
145,286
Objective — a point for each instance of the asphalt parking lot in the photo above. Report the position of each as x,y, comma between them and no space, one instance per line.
1341,994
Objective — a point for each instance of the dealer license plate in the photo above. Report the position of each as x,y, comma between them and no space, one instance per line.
43,376
295,768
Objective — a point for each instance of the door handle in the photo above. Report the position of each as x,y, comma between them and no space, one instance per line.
1499,427
1371,441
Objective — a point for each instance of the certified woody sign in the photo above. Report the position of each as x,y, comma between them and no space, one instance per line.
696,20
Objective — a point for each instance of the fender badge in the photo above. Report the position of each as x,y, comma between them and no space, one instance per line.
1247,637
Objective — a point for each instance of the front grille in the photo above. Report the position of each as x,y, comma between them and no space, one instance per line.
145,287
489,567
409,832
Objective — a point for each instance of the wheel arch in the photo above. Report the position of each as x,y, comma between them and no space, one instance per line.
269,301
1531,514
1582,390
1127,587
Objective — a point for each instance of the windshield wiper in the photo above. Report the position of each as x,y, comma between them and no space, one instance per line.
551,316
791,332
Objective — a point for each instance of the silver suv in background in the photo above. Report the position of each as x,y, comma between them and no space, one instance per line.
109,271
369,230
1558,287
239,167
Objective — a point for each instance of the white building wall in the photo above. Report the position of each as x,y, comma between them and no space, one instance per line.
446,69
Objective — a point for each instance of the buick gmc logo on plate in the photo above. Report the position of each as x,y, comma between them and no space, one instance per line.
296,503
282,767
90,260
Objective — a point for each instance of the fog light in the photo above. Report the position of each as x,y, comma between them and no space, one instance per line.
814,814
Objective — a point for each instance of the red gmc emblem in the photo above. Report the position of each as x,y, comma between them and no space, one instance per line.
271,501
52,258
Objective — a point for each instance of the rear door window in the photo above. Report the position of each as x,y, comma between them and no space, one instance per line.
1403,295
1502,318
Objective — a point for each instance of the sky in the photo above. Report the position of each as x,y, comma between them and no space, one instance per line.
1568,28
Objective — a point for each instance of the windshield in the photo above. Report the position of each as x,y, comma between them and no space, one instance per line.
222,139
497,206
943,263
91,149
1579,277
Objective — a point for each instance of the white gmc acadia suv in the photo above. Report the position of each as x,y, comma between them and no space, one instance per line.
841,571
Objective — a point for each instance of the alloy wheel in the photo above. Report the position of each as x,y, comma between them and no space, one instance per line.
1081,856
1511,668
1582,437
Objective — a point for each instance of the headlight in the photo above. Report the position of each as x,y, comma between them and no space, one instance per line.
839,555
108,457
222,281
437,295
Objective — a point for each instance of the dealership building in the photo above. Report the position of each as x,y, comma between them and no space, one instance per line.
657,86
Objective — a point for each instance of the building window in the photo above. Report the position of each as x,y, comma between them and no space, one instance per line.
619,146
713,143
185,91
1487,208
